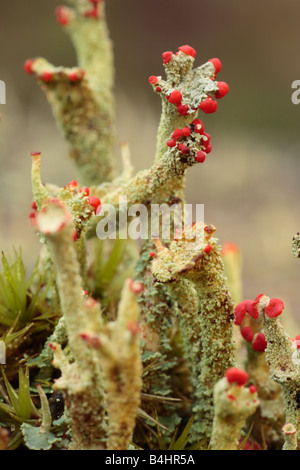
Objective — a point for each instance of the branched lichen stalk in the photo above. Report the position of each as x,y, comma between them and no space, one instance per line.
117,346
197,258
81,380
82,97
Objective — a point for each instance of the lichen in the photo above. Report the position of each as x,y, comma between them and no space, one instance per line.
141,341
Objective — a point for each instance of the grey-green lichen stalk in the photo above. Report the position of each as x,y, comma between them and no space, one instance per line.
207,323
81,379
81,97
283,358
102,374
117,347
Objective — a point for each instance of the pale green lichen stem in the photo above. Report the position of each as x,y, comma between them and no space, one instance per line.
216,323
117,347
81,380
282,357
40,193
290,437
233,405
170,120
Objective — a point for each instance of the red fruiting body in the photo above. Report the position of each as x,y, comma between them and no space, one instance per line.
274,309
92,339
235,375
247,306
207,249
252,389
171,143
158,89
72,184
231,397
208,106
240,313
136,286
297,339
188,50
133,327
259,343
257,298
251,309
182,109
94,202
167,56
208,229
200,157
208,148
175,97
217,64
250,445
207,141
33,205
28,66
92,13
74,236
247,333
52,346
61,16
74,77
230,247
47,76
153,79
183,149
223,89
86,191
152,254
177,134
198,125
186,131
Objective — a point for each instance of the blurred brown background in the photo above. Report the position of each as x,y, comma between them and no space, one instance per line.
250,182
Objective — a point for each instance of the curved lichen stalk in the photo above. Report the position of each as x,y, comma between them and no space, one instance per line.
82,97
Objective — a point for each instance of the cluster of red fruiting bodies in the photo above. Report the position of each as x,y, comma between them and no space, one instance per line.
47,76
179,135
272,310
208,105
93,201
63,15
239,378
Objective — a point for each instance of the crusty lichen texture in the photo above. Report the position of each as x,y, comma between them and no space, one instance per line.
145,336
104,376
82,97
81,380
283,358
206,315
234,403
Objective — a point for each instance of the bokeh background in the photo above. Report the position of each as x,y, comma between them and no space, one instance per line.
249,183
